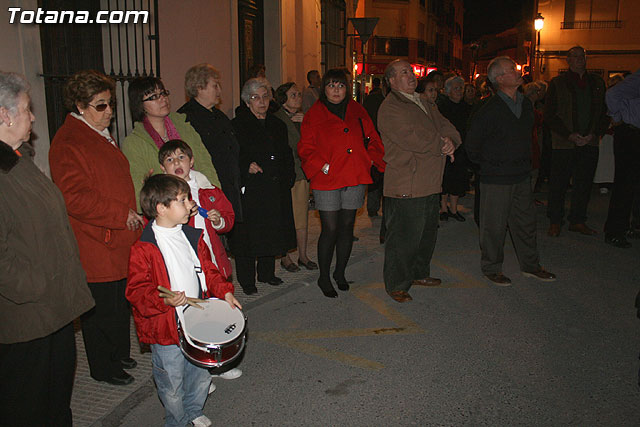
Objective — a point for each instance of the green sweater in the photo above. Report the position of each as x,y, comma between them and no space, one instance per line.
142,153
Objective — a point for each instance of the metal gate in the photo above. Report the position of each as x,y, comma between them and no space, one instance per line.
122,51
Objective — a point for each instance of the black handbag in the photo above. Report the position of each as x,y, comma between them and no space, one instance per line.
376,175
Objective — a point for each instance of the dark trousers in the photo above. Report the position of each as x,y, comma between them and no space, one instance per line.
626,146
412,229
374,198
509,207
36,380
246,270
105,329
579,162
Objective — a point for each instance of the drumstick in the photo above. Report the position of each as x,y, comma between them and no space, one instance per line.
191,301
197,300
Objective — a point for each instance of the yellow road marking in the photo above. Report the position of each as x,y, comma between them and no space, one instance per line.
403,325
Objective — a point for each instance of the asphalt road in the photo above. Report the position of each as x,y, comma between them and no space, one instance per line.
465,353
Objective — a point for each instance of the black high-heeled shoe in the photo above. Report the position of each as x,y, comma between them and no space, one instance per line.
343,284
327,288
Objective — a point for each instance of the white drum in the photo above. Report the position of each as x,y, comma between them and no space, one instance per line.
212,337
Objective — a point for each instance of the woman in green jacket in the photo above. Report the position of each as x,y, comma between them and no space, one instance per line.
155,125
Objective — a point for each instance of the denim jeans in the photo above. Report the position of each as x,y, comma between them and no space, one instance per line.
182,386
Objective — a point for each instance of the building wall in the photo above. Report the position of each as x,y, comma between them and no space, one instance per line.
616,45
192,32
301,34
21,53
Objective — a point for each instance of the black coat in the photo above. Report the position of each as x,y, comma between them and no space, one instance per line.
219,138
267,228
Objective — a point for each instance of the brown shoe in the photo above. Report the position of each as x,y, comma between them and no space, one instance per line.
554,230
499,279
541,274
400,296
429,281
582,229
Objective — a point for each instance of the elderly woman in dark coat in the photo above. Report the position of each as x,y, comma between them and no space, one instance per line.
455,181
266,167
202,85
42,285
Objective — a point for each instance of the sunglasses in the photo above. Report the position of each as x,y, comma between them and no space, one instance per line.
102,107
156,96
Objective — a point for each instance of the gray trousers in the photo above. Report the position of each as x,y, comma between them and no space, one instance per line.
509,207
412,228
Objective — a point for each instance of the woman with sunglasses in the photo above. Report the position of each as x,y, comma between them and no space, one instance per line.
337,147
93,176
155,125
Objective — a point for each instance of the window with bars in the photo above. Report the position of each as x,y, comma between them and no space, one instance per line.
334,36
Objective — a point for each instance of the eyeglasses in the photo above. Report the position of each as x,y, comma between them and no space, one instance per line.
257,97
156,96
102,107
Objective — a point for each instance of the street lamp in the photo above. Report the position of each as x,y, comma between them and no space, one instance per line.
538,23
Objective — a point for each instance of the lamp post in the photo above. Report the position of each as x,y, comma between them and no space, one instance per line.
538,23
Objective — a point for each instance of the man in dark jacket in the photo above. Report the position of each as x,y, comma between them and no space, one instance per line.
499,141
575,113
623,102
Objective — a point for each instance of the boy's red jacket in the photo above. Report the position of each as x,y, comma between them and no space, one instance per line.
156,321
214,198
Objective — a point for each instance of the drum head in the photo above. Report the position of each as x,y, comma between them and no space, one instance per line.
218,323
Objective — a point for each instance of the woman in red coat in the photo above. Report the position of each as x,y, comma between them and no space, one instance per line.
93,176
338,145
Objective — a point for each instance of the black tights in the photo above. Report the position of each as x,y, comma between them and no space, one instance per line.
337,232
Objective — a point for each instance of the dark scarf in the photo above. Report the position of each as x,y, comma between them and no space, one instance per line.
339,110
9,157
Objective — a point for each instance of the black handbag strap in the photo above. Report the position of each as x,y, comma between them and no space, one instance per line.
365,139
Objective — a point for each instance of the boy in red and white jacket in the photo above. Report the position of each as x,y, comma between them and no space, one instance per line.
171,254
176,158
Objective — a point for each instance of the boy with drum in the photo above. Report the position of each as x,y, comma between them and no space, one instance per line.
176,257
214,216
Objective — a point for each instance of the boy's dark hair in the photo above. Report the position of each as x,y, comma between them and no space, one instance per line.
171,147
161,188
139,89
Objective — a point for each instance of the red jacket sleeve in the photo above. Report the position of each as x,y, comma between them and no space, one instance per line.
219,203
217,285
311,160
375,149
141,284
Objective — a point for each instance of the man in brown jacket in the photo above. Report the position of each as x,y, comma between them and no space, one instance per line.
417,139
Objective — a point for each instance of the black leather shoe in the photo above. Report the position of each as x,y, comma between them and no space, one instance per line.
128,363
343,284
444,216
617,241
120,379
309,265
274,281
457,216
327,288
292,267
250,290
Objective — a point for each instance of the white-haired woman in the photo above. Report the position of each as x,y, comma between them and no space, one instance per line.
42,284
455,181
267,175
